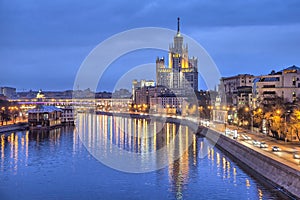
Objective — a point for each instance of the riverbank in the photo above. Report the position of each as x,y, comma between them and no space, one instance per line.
285,177
62,160
13,127
163,118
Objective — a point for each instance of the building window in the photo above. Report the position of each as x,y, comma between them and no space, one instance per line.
294,81
268,86
269,92
294,96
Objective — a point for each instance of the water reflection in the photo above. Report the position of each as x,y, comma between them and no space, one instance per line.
16,145
133,145
59,160
140,136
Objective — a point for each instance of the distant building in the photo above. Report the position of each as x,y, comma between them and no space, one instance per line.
44,117
140,84
9,92
284,84
83,94
40,95
121,94
2,97
142,95
103,95
113,104
181,73
176,80
67,116
27,94
204,97
170,104
45,94
236,90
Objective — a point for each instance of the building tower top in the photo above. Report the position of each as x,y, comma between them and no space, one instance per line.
178,25
178,47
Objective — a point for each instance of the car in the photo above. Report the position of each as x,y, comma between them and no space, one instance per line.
263,145
296,155
227,131
256,143
246,137
235,134
206,123
276,148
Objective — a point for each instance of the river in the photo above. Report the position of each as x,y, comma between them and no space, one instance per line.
66,163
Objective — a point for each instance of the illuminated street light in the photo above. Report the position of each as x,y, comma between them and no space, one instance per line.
251,115
259,110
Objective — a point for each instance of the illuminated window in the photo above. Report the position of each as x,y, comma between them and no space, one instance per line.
294,81
294,96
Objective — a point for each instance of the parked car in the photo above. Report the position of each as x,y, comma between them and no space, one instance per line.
256,143
246,137
276,148
227,131
206,123
263,145
296,155
235,134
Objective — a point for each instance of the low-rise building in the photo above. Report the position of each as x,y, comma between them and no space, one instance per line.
121,94
67,116
144,94
9,92
170,104
44,117
137,85
284,84
236,90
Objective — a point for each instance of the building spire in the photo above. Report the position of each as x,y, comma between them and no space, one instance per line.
178,25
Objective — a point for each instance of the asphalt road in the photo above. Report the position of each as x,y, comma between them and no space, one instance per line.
287,149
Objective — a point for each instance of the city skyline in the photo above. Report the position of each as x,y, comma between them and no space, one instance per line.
44,43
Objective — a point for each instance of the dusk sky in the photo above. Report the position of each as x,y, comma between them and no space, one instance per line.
43,43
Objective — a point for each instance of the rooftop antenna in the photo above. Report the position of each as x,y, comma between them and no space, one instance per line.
178,25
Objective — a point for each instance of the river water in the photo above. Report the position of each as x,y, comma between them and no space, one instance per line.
64,164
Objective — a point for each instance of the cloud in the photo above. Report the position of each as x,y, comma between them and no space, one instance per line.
37,33
251,49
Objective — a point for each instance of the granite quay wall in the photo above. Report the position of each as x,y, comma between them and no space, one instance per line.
285,177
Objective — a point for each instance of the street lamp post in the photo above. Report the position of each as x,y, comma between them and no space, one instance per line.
285,123
251,115
209,112
200,110
285,127
279,113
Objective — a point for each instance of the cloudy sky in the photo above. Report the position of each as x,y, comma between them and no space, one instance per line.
43,43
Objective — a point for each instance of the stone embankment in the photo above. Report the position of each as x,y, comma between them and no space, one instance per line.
13,127
286,178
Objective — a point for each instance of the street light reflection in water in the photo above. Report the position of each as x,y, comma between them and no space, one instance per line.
58,164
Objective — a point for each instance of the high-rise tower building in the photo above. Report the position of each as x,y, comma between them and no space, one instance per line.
181,73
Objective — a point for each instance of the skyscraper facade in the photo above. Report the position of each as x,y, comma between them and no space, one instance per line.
181,73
